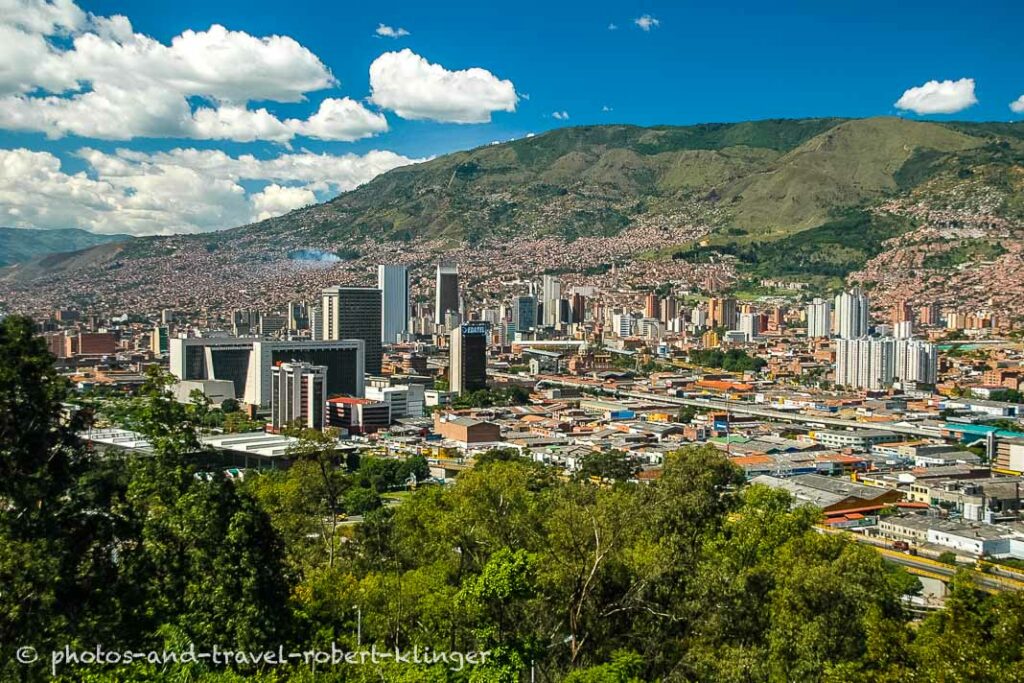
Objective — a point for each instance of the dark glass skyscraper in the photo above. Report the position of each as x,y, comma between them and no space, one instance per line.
468,357
355,313
447,294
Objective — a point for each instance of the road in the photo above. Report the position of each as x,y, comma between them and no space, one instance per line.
925,566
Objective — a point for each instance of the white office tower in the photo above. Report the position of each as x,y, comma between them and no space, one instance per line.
551,299
298,395
865,363
316,322
750,325
851,320
916,361
622,324
393,282
904,329
819,318
699,317
650,328
405,400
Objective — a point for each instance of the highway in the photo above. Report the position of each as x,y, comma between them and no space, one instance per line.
925,566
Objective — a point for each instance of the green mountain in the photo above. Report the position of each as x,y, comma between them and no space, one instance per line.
764,191
20,245
765,179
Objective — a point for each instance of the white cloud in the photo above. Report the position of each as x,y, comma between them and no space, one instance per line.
275,200
50,18
413,88
939,97
647,22
341,119
65,72
606,108
182,190
385,31
561,115
229,122
613,27
1018,105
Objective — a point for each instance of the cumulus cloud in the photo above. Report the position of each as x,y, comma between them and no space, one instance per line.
939,97
385,31
341,119
275,200
647,22
1018,105
413,88
65,72
181,190
613,27
561,115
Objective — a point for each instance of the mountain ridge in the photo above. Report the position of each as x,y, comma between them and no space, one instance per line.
733,182
20,245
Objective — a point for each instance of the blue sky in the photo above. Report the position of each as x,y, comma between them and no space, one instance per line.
695,63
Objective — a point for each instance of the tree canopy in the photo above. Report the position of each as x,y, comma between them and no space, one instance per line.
693,576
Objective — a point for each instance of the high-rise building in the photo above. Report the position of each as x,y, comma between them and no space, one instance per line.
355,313
669,309
649,328
865,363
446,295
722,312
298,395
579,308
875,363
750,325
159,340
699,317
652,309
393,282
623,324
467,369
851,318
316,322
564,312
819,318
928,314
524,313
551,294
245,322
271,324
298,316
916,361
902,312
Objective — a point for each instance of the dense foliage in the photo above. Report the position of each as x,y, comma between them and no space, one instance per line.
733,360
692,577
